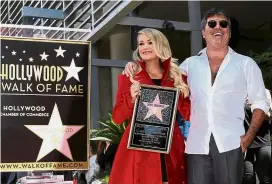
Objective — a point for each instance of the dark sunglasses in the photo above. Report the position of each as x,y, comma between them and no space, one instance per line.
222,23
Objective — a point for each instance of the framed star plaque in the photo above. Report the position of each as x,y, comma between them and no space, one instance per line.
45,104
153,119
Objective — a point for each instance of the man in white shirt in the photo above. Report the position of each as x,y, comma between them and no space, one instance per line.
220,80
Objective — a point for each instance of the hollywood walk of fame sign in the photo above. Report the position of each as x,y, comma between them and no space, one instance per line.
153,119
45,104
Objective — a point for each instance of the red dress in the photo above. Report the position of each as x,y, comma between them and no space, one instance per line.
142,167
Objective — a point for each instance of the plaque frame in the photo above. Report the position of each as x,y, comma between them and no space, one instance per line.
168,142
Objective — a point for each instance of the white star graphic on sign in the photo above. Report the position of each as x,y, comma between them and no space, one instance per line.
60,51
13,53
72,71
3,57
44,56
77,54
54,135
155,108
20,59
6,47
30,59
24,51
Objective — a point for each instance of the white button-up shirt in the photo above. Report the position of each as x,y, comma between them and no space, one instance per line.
219,108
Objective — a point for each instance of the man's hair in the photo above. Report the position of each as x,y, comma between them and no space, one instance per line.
213,12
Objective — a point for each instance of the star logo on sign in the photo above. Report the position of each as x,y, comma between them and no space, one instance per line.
54,135
44,56
72,71
60,52
30,59
24,51
77,54
13,53
6,47
3,57
155,108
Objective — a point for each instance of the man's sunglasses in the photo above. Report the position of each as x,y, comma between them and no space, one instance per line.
223,23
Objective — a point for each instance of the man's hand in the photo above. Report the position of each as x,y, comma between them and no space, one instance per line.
130,69
135,90
256,123
246,140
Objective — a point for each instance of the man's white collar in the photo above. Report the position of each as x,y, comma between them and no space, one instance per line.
203,51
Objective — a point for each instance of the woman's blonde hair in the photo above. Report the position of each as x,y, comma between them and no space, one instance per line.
163,51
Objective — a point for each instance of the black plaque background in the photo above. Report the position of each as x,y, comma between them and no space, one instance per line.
18,143
134,139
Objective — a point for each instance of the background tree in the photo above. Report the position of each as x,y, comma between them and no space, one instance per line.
264,60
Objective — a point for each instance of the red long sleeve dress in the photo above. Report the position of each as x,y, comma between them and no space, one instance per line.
142,167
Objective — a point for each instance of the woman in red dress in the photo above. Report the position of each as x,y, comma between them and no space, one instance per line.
155,67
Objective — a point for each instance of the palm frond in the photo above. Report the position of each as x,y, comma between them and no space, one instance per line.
110,132
99,139
109,125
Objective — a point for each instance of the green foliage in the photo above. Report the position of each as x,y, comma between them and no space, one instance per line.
105,180
110,131
264,61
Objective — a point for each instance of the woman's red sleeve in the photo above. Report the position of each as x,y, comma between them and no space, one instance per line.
123,107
